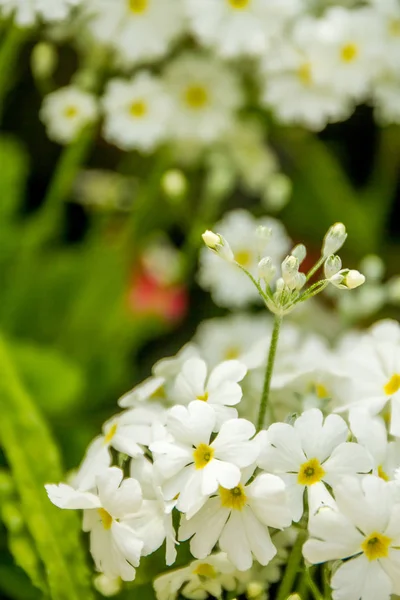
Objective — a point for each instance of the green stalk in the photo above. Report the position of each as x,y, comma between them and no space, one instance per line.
268,372
48,221
9,50
315,268
292,567
312,586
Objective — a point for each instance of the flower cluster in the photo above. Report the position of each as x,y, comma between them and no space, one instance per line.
312,62
183,463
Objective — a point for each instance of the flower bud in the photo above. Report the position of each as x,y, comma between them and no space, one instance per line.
354,279
347,279
290,270
334,239
218,244
299,252
266,269
332,265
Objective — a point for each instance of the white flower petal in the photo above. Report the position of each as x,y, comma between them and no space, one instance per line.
360,578
366,503
97,459
281,450
347,459
232,443
65,496
142,392
268,500
258,537
193,424
218,472
206,526
230,370
127,542
190,383
235,543
119,497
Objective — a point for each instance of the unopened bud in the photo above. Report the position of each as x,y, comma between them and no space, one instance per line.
43,60
299,252
218,244
347,279
354,279
107,586
290,270
334,239
254,590
332,265
266,269
300,281
294,597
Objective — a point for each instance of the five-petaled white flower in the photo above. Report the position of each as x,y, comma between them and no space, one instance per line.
363,526
310,454
115,546
220,389
238,519
193,465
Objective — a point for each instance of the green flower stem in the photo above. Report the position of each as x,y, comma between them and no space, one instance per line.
48,221
312,586
315,268
292,567
268,373
9,51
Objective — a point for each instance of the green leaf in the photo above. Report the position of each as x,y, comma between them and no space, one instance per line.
33,460
54,381
13,174
19,541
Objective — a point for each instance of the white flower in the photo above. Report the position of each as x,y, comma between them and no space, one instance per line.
364,529
292,89
126,433
347,47
205,96
198,580
220,389
374,368
192,465
238,519
371,433
153,521
228,285
137,112
310,454
234,27
137,29
66,112
240,336
114,545
26,12
387,15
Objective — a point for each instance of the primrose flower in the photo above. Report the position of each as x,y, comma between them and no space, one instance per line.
192,465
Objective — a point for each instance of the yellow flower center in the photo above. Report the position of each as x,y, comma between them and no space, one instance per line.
310,472
70,112
110,434
196,96
393,385
304,73
321,391
376,546
105,517
205,570
243,257
382,474
349,52
235,498
202,455
394,27
138,109
239,4
138,6
231,353
203,397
